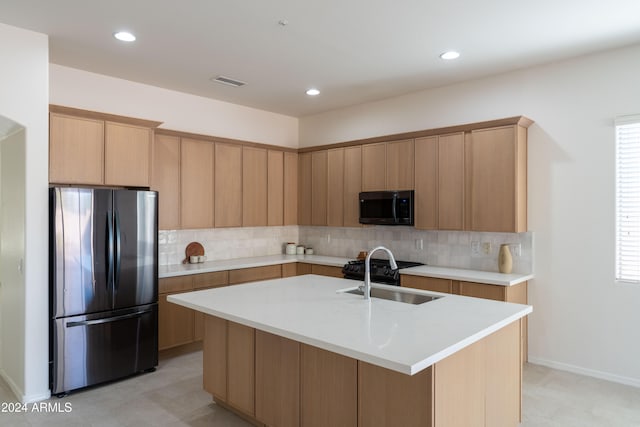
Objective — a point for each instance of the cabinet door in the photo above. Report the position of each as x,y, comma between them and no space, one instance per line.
327,270
496,165
206,281
303,268
335,182
76,150
374,167
127,151
240,367
304,189
215,357
175,324
290,188
319,188
352,185
166,180
196,184
244,275
451,182
400,157
275,187
228,185
481,290
277,380
254,187
426,183
426,283
328,389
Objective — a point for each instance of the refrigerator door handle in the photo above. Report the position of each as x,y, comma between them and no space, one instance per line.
118,252
109,248
106,320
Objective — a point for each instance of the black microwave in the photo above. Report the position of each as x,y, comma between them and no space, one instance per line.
386,207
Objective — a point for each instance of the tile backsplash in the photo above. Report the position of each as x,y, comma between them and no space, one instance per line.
441,248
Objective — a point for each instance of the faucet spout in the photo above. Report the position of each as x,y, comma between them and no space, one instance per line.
367,269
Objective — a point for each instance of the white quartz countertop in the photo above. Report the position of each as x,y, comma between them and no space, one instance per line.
234,264
486,277
403,337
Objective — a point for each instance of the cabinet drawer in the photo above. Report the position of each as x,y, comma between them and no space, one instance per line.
327,270
303,268
244,275
426,283
481,290
175,284
211,280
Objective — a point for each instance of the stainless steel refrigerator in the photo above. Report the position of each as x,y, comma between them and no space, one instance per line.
103,285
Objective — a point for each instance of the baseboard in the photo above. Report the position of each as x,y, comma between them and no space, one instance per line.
19,394
634,382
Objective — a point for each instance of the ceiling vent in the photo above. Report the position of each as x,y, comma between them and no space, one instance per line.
228,81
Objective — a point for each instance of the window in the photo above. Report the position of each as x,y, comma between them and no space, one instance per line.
628,199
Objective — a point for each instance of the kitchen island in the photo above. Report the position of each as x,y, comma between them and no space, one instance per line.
297,351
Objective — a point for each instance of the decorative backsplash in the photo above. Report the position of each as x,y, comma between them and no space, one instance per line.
462,249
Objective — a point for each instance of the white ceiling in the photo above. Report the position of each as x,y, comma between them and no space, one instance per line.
354,51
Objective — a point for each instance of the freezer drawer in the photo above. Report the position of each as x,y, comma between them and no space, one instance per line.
92,349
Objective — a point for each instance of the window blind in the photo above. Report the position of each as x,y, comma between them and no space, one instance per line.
628,199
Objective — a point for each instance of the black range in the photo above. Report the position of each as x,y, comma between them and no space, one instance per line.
381,271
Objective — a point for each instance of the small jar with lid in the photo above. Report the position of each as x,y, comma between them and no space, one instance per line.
290,248
300,250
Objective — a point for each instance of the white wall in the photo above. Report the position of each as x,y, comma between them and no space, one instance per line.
582,321
178,111
24,88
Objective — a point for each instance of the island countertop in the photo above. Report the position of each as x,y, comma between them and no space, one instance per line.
403,337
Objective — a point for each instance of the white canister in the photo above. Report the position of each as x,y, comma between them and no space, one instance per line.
290,249
300,250
308,251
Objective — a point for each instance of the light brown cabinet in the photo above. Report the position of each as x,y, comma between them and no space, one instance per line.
166,180
277,380
196,183
496,168
76,150
240,367
92,151
352,186
254,187
319,188
388,166
127,152
439,182
304,189
175,323
374,167
275,187
335,181
290,188
399,175
228,185
244,275
426,283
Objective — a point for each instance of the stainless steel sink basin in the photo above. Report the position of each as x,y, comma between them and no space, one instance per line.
393,295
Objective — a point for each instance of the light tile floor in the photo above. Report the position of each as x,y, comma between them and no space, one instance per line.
173,396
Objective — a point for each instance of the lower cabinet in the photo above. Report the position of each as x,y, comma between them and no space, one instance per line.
321,270
275,381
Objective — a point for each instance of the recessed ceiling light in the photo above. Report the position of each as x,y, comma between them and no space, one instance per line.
452,54
124,36
313,92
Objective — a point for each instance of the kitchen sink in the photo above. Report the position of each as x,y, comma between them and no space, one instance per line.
395,295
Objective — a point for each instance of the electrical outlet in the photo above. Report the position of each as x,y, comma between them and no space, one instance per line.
486,248
419,244
516,249
475,248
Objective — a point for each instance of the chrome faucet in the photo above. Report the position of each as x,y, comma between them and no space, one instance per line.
366,289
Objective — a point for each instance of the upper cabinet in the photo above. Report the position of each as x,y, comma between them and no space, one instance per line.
166,180
290,188
99,149
254,187
76,150
335,182
304,189
228,185
352,185
388,166
127,153
496,168
319,187
439,182
275,187
196,183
